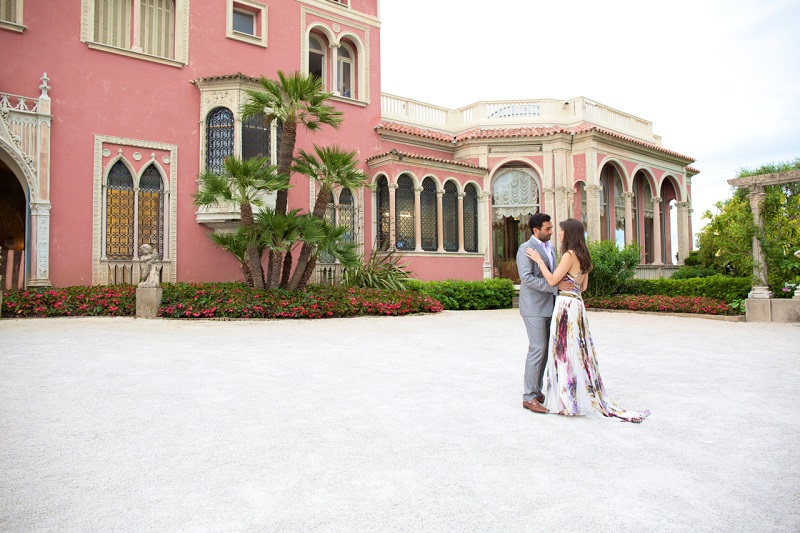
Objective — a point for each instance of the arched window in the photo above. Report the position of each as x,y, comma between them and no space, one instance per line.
156,29
330,218
429,225
470,218
450,217
619,212
404,213
347,216
256,137
382,214
219,139
151,210
119,213
346,71
112,22
316,57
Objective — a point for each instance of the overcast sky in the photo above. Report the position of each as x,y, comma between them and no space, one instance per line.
720,80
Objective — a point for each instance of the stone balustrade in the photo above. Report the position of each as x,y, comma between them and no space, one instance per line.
511,113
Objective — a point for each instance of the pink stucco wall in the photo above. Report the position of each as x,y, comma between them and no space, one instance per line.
97,92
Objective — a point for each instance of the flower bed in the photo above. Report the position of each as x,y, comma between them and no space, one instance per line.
663,304
209,300
317,301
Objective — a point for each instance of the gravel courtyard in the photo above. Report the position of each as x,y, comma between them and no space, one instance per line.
391,424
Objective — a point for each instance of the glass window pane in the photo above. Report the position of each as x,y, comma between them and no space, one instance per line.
255,137
471,218
450,217
119,213
382,211
404,213
219,139
244,22
428,213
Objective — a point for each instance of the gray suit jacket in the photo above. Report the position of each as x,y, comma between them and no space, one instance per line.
536,296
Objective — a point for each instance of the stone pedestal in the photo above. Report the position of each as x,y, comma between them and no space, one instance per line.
148,300
772,310
759,292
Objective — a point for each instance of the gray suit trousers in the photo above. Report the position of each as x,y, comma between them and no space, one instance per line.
538,328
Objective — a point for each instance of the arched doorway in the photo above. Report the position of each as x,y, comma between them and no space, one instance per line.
13,219
515,197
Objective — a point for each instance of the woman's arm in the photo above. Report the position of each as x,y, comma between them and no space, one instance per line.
561,270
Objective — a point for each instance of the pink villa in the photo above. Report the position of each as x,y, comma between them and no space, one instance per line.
109,110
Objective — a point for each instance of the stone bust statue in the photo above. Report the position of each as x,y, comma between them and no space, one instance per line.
150,266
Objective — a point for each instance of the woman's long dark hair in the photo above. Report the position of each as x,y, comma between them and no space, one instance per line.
575,241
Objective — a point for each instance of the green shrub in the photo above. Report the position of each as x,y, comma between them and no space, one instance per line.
461,295
612,267
382,271
687,272
718,286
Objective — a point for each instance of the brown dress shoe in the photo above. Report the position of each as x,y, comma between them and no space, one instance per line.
534,406
540,399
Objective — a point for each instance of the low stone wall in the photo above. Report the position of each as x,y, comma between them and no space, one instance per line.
773,309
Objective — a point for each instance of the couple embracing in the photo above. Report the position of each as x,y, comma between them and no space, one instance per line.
561,372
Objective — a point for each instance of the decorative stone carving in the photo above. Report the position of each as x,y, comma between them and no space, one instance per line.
137,156
106,152
166,160
150,266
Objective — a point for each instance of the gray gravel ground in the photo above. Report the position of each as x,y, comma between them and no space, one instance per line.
391,424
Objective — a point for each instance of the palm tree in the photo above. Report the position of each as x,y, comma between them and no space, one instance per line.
332,243
243,183
294,99
282,232
236,243
331,167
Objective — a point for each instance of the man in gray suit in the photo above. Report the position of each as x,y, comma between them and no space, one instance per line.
536,301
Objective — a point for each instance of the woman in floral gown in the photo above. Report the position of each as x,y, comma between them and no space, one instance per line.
572,383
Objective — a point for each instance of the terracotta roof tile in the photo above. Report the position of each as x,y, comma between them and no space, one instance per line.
692,169
400,155
237,76
586,127
411,130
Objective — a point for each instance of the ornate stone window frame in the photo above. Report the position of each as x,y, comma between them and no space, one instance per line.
16,24
336,28
260,13
181,50
228,92
103,159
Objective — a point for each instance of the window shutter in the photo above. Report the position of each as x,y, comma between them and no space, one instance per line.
112,22
157,28
7,10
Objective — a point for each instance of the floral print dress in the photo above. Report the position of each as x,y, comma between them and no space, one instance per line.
572,383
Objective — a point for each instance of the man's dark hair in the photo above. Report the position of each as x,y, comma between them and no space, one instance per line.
537,220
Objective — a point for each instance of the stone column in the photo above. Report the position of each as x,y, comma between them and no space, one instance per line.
559,213
40,237
137,27
334,66
461,197
593,212
484,232
657,259
683,231
439,221
392,217
628,216
417,220
759,290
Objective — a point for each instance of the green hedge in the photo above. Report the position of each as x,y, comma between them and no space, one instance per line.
719,286
457,295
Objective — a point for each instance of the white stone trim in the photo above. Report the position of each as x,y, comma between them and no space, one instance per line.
99,263
181,35
363,74
261,13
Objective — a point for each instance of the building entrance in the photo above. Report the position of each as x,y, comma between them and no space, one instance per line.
12,230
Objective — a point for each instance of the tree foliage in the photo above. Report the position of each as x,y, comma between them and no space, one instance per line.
612,267
727,240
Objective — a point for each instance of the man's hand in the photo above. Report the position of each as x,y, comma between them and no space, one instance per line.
567,284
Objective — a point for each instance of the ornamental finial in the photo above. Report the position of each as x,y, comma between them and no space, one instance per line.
44,87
